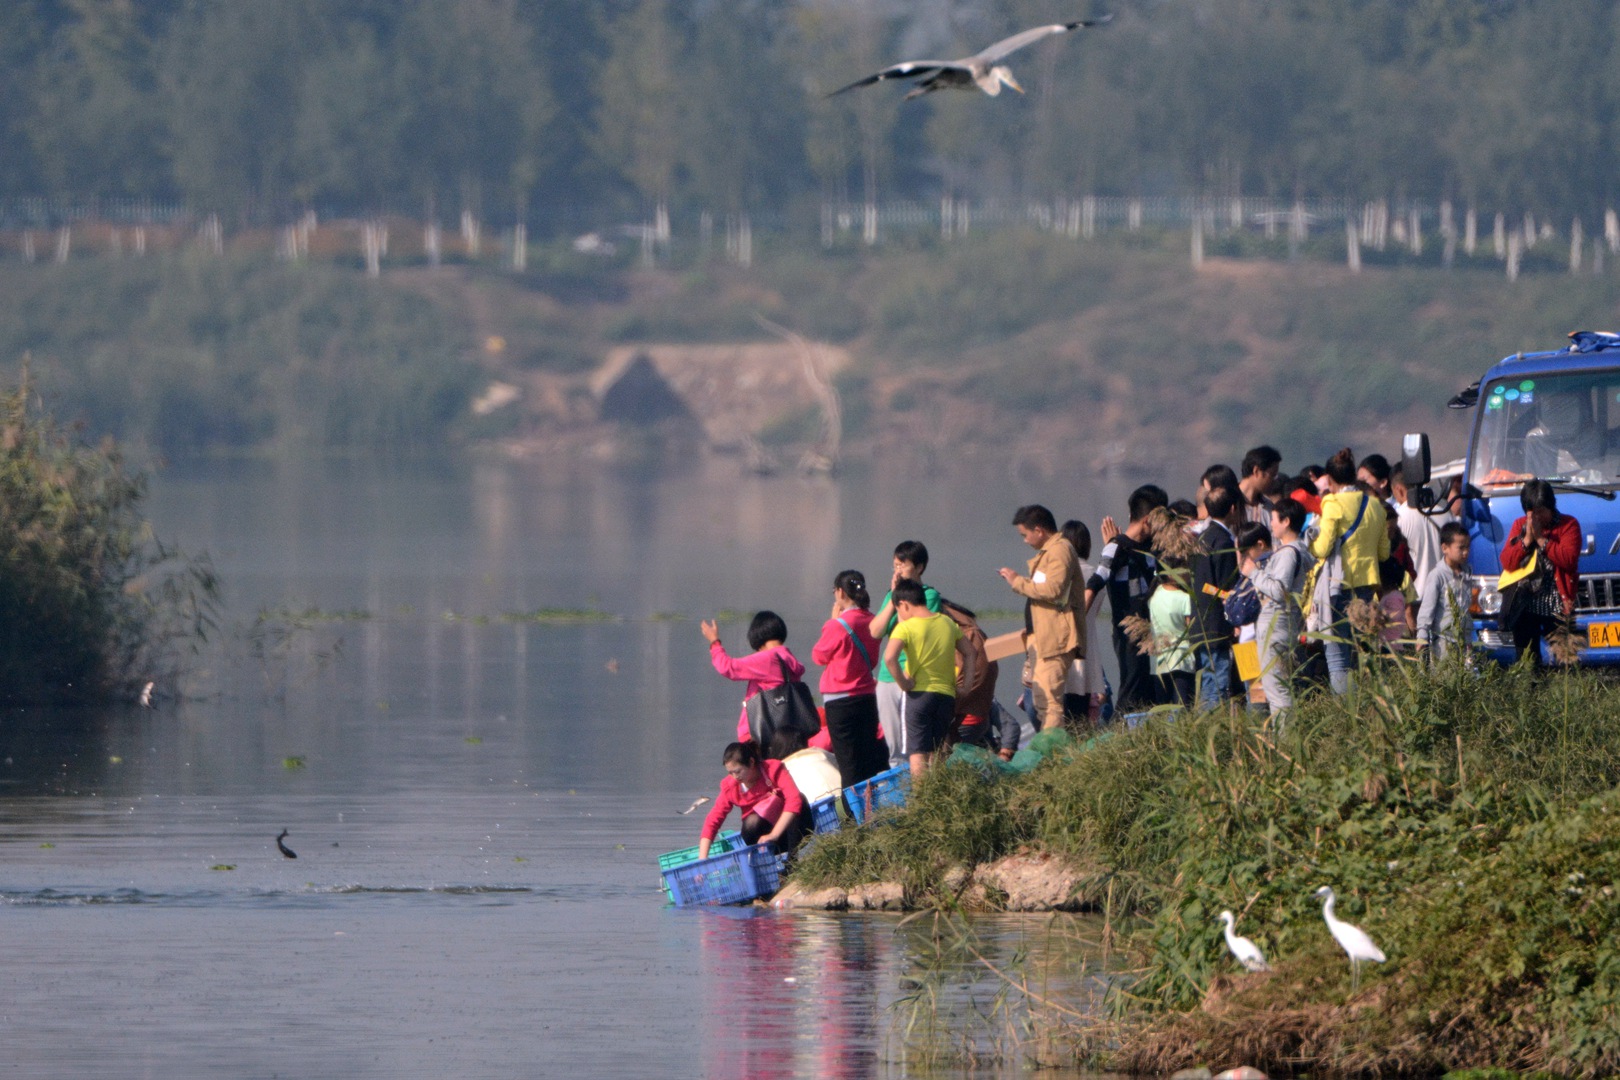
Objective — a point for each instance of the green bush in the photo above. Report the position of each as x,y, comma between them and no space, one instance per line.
91,605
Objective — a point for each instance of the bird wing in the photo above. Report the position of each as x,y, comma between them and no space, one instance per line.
1008,46
910,69
1247,951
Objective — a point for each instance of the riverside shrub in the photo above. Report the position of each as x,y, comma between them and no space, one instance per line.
91,604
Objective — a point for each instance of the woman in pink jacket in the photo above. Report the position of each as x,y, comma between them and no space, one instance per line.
761,669
764,794
847,651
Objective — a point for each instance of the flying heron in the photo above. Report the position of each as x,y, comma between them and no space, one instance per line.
980,69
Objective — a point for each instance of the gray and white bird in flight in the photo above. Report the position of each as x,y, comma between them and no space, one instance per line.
979,70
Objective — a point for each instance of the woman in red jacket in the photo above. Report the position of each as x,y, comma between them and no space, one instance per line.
764,793
1556,538
847,651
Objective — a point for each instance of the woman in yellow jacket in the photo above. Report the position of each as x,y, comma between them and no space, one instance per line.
1352,527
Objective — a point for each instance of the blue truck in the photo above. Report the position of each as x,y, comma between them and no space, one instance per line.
1553,415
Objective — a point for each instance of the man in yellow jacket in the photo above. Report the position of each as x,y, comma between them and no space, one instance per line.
1057,635
1352,540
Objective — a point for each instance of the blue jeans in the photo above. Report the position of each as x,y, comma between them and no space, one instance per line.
1214,674
1340,652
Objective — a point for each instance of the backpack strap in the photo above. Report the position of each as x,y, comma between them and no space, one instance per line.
864,654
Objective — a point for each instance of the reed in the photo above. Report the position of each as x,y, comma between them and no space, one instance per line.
1460,812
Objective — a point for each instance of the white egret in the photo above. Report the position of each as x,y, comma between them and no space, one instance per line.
1352,939
1247,952
979,70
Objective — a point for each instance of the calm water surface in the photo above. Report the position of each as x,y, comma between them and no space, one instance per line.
477,797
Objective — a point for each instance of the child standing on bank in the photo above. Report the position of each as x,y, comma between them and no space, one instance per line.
931,643
1170,610
1443,620
910,562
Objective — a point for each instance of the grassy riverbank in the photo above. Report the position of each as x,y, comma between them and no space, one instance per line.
1466,819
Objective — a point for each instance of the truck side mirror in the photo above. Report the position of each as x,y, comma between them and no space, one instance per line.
1415,460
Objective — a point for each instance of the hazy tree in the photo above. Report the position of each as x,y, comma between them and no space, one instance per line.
232,75
571,43
833,46
26,30
348,141
638,122
99,126
476,110
740,136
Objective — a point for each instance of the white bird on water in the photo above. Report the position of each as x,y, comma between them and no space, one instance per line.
1352,939
1247,952
979,70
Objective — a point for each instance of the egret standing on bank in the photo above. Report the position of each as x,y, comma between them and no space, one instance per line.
979,70
1352,939
1247,952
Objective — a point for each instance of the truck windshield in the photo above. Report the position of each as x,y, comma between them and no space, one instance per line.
1556,427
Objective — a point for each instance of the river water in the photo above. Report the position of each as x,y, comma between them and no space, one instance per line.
476,793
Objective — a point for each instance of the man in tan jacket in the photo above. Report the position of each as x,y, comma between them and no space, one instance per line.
1054,590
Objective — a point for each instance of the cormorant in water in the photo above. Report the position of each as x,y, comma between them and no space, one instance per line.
283,848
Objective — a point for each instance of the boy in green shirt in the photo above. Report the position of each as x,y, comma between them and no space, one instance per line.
931,643
910,561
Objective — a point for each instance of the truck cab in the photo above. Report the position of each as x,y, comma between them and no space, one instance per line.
1554,416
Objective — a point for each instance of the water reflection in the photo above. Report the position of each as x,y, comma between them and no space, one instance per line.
477,804
796,996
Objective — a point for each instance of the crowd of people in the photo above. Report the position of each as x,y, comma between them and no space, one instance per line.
1260,586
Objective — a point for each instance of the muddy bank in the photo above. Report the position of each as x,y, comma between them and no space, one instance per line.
1025,882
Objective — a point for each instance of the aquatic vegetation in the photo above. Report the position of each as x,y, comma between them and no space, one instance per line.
310,616
294,762
556,615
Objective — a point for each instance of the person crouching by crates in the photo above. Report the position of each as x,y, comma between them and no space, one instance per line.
931,643
814,770
764,794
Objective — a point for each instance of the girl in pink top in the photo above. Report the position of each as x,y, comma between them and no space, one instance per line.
847,651
761,669
764,793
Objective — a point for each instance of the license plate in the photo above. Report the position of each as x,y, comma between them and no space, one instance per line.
1603,635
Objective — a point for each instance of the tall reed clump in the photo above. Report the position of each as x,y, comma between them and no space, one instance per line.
1464,814
1452,810
91,604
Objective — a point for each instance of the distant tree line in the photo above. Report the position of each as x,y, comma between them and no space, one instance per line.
558,112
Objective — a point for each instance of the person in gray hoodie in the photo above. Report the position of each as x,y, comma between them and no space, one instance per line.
1278,581
1442,620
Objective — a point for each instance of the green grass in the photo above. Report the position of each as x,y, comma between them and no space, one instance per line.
1465,818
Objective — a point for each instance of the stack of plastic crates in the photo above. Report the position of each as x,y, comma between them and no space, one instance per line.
883,790
726,841
824,814
733,878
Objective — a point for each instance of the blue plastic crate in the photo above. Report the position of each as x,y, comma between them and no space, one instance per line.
726,841
824,814
883,790
733,878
